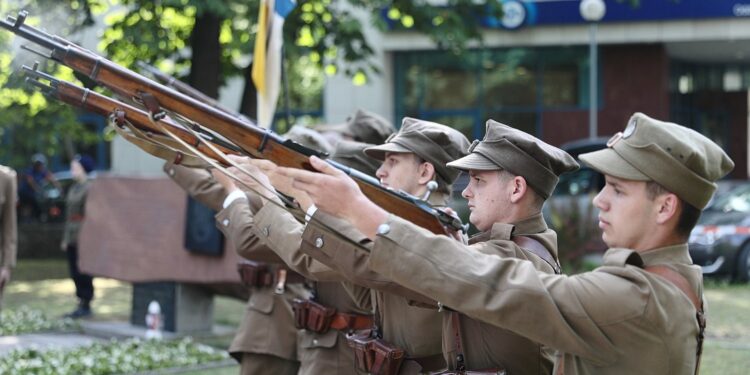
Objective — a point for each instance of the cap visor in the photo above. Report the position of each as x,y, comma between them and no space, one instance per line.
378,152
474,161
607,161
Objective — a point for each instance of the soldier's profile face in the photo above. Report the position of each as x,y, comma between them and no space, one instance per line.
488,198
400,171
626,215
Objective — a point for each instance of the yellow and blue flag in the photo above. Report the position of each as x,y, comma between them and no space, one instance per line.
266,72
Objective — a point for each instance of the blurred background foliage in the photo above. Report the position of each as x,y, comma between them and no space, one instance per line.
207,42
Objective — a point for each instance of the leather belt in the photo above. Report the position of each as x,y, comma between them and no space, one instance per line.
261,274
351,322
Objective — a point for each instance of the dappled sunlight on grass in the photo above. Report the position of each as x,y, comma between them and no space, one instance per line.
724,361
56,297
728,312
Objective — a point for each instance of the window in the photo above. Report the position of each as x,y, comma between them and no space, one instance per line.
513,86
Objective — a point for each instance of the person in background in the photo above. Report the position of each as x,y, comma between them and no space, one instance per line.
8,230
75,203
33,180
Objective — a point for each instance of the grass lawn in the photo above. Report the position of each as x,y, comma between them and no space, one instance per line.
44,285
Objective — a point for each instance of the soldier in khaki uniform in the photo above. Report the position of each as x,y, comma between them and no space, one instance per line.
266,340
412,159
640,313
8,230
323,350
506,201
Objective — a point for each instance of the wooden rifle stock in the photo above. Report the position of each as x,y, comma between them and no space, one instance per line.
253,140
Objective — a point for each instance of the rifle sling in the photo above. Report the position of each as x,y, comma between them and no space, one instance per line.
684,286
535,247
160,146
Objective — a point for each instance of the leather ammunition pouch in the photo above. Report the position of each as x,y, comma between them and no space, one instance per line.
255,274
375,356
312,316
260,274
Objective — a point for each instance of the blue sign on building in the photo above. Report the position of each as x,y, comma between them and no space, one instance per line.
520,13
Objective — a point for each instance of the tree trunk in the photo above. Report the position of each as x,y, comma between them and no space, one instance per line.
205,68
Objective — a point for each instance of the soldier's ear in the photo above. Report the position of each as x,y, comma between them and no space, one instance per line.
667,208
426,173
519,188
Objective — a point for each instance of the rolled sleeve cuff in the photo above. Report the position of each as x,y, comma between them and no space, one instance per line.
233,196
310,212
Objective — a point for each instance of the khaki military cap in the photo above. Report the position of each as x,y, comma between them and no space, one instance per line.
678,158
308,138
521,154
433,142
364,126
352,155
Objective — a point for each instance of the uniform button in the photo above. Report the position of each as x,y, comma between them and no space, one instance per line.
384,229
319,242
225,222
171,171
315,341
265,231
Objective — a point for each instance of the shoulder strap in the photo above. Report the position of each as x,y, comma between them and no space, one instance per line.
682,284
536,247
460,359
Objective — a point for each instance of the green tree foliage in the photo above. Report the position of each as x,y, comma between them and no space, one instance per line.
31,123
205,42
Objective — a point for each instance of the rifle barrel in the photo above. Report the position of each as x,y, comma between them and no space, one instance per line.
255,141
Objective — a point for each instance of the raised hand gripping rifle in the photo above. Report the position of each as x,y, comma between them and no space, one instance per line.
251,139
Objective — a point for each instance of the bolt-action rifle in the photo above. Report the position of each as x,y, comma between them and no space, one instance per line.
92,101
253,140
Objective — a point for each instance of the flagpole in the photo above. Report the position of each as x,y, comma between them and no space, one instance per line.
285,82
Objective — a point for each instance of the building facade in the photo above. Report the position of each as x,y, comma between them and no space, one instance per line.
686,61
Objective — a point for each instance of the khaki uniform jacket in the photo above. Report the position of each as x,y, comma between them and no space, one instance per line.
485,346
75,209
415,329
326,353
618,319
8,223
267,326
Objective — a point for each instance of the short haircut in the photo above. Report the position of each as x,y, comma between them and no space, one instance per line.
689,215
